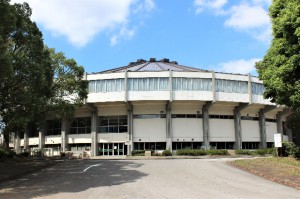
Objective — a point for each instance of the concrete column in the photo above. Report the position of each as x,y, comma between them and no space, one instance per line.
26,138
42,132
237,129
250,88
130,130
213,85
237,124
279,123
94,134
205,113
168,126
65,130
262,130
17,142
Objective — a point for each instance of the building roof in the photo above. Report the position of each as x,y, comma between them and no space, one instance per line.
153,65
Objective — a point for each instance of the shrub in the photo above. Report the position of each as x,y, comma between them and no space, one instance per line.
25,154
262,152
217,152
11,154
191,152
167,153
138,153
3,153
244,152
290,149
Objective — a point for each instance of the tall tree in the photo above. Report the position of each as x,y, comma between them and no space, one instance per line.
280,68
34,80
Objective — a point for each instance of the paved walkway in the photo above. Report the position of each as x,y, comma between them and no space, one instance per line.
14,168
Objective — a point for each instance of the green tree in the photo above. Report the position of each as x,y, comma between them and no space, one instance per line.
34,80
280,68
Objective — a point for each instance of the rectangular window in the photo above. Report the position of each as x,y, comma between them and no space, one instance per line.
186,116
221,145
81,126
250,145
53,127
249,118
149,146
257,89
221,116
149,116
191,84
148,84
231,86
106,85
113,124
186,145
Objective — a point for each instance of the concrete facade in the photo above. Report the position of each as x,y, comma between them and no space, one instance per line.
160,105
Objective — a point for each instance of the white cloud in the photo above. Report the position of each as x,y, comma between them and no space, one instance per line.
241,66
250,17
80,21
124,33
215,5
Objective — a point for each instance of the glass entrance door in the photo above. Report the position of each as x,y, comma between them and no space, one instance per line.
112,149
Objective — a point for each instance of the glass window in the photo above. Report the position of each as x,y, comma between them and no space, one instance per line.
148,84
195,84
257,89
53,127
113,124
81,126
106,85
231,86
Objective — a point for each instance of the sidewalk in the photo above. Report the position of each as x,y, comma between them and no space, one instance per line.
14,168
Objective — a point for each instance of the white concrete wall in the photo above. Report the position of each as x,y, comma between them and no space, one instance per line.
116,109
271,129
106,76
236,77
53,139
149,108
250,131
259,99
221,130
193,95
192,74
232,97
21,142
149,130
186,129
79,138
221,110
118,96
33,141
112,137
148,95
148,74
186,108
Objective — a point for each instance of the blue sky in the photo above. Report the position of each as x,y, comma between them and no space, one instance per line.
220,35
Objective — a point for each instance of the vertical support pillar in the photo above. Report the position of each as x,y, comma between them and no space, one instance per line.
17,142
205,113
237,129
213,86
65,130
94,133
262,130
168,127
279,123
130,130
42,132
26,138
250,88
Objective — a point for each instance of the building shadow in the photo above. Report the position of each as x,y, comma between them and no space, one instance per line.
73,176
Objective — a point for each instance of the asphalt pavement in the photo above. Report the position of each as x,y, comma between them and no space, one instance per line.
161,178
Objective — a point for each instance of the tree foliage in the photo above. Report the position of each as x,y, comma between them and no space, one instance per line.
280,68
34,80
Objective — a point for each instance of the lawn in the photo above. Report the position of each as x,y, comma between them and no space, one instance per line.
283,170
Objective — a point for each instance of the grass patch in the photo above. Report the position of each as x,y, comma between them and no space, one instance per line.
284,170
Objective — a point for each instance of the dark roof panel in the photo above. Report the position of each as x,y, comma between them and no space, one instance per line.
154,65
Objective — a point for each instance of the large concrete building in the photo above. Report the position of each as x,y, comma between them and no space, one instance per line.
158,105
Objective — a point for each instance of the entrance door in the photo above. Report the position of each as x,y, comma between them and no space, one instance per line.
112,149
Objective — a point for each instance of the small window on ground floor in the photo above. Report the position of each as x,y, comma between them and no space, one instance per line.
149,146
221,145
80,147
250,145
186,145
270,145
